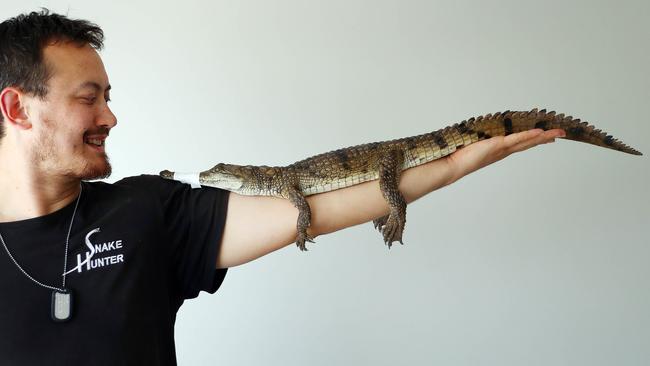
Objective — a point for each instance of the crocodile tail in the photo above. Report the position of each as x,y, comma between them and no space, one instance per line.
505,123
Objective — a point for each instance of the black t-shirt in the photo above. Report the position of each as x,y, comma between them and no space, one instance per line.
155,244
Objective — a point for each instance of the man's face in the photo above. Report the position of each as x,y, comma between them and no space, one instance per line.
72,123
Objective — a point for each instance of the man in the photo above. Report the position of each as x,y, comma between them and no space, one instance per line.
130,252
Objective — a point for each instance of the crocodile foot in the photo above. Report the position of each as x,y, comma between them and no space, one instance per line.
302,238
392,230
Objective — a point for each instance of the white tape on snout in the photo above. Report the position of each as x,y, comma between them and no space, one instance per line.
189,178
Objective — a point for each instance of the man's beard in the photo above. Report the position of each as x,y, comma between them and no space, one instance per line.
48,157
96,172
83,170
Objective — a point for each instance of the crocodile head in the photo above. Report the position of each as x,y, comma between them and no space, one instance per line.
225,176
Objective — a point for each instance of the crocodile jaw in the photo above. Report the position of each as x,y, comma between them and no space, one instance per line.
224,181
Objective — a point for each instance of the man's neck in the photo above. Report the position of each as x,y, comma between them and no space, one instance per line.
26,192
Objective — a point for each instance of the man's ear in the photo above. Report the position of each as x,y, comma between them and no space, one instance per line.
12,103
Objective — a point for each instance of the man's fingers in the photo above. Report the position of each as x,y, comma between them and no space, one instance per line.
521,137
532,138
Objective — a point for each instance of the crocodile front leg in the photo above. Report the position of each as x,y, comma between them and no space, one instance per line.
296,197
391,225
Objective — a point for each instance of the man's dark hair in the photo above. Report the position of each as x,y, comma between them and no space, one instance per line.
22,40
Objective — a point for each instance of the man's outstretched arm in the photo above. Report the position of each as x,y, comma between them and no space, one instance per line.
258,225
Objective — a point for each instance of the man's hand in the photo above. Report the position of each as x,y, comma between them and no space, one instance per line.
483,153
258,225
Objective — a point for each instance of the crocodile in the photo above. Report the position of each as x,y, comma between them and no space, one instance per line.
385,161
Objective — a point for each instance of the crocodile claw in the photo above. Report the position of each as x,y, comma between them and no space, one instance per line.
380,222
301,239
392,230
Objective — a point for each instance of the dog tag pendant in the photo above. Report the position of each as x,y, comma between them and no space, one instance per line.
61,305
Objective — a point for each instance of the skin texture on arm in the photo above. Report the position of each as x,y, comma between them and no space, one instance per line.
258,225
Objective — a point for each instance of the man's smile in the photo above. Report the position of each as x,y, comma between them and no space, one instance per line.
96,141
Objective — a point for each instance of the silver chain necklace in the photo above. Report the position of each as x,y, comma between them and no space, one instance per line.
61,308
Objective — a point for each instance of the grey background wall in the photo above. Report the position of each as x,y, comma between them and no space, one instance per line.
541,259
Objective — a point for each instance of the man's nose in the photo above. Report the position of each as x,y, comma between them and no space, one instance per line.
107,118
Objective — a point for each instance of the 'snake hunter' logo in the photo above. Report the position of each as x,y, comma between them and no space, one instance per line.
89,262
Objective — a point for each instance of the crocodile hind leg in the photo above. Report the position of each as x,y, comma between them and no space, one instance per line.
304,216
391,225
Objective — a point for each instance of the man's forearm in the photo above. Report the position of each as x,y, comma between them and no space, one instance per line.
258,225
364,202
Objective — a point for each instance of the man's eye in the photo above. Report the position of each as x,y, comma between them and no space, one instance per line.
89,100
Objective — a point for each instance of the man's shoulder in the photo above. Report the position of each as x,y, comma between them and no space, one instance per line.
144,185
148,186
140,180
146,182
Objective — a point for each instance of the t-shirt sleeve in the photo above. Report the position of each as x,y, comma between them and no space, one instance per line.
194,221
